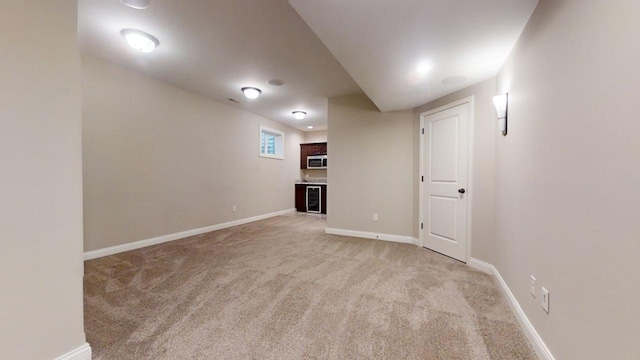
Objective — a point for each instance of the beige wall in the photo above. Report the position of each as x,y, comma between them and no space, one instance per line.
357,131
568,175
482,173
41,193
370,169
159,160
315,136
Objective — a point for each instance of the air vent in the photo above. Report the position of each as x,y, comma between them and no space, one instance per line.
233,100
275,82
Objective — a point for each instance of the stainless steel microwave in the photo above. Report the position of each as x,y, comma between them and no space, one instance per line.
317,162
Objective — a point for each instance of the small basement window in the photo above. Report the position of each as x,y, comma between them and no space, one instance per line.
271,143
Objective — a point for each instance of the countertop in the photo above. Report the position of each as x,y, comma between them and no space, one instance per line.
310,182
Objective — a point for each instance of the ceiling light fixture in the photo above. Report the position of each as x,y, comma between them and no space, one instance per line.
136,4
424,67
251,92
309,127
140,40
501,103
299,114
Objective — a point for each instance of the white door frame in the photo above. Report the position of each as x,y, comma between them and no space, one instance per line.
468,100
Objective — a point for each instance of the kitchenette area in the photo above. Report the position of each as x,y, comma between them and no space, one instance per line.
311,188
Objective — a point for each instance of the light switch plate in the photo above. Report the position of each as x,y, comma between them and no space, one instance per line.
545,300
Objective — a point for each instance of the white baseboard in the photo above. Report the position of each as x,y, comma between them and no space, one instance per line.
89,255
481,266
370,235
530,332
81,353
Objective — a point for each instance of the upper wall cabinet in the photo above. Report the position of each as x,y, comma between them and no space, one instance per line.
310,150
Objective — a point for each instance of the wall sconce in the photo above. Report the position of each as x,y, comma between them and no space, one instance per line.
501,103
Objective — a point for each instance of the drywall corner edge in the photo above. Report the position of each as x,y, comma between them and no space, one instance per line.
530,332
90,255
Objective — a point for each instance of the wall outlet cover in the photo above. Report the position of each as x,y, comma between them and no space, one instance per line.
532,286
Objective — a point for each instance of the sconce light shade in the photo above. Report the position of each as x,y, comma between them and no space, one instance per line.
299,115
501,103
251,92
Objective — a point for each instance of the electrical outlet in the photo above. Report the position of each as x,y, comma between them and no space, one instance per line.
375,217
545,300
233,208
532,286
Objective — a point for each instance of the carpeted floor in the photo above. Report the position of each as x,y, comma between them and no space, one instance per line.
282,289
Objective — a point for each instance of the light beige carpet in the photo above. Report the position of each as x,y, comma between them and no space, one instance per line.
282,289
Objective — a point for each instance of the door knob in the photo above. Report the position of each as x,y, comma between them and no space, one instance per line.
462,191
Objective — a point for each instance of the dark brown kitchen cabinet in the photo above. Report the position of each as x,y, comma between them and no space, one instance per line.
301,197
311,150
323,199
301,202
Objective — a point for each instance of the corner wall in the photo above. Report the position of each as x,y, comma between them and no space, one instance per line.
41,265
159,160
567,177
370,168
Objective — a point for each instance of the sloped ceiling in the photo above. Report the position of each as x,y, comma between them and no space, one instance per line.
216,47
406,53
320,49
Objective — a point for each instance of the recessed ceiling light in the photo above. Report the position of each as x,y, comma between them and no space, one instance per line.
140,40
453,80
275,82
309,127
136,4
299,115
251,92
424,67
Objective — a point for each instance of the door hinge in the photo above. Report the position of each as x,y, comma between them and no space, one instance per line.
422,131
421,225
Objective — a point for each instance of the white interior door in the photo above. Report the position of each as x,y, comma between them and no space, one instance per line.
445,146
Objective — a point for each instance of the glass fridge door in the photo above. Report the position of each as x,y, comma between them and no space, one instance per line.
313,199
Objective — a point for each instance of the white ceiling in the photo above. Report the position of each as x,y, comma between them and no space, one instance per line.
382,43
216,47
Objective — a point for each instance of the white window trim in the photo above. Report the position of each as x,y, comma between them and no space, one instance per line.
279,143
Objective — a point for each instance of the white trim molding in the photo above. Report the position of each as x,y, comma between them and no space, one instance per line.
481,266
530,332
81,353
89,255
371,235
